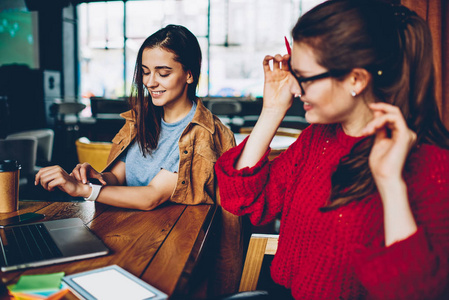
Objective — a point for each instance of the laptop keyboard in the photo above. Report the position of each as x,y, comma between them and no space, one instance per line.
29,243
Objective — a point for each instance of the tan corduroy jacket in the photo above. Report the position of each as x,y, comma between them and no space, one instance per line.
203,141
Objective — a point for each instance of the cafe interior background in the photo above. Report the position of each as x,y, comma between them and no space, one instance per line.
66,66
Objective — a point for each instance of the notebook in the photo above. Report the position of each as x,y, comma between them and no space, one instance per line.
46,243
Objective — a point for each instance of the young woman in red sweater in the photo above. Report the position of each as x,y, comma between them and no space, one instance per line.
363,194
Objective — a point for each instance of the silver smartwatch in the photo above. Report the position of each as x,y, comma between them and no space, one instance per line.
95,191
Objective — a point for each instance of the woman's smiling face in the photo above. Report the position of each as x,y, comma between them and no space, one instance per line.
165,79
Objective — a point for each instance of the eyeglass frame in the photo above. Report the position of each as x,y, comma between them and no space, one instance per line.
323,75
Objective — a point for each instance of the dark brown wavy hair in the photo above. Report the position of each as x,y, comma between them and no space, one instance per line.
181,42
395,46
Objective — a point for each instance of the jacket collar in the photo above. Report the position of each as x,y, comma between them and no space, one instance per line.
128,115
202,117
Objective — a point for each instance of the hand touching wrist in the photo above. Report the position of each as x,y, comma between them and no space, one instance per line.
86,190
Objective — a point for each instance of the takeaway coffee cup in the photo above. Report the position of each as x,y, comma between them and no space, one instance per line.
9,185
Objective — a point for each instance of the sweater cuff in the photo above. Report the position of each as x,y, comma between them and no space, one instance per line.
396,267
405,249
228,160
239,189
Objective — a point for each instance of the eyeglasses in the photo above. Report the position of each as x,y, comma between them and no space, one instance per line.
301,80
327,74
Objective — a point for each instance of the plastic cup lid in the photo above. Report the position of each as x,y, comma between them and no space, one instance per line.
9,165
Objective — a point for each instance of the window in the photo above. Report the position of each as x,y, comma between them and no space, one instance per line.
234,36
101,53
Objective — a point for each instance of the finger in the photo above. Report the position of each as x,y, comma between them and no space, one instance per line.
266,63
385,107
76,172
37,178
51,185
83,172
414,137
385,120
64,182
57,183
389,116
51,174
392,112
286,63
369,127
380,135
276,62
43,172
45,179
75,175
101,179
44,182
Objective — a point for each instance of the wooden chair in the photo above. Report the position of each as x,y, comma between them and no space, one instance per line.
94,153
259,245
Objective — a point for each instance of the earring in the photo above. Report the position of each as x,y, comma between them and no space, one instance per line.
353,93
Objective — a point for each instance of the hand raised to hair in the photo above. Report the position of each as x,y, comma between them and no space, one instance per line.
392,143
82,173
277,99
278,80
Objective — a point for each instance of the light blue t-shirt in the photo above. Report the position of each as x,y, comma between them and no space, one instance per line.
141,170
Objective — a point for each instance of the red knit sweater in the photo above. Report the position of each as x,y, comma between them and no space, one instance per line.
341,254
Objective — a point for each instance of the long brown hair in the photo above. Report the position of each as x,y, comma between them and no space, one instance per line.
395,46
181,42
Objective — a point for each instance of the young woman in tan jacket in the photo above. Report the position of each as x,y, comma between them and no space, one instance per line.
167,148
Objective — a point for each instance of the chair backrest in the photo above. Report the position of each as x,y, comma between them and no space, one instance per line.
224,107
45,138
228,111
23,150
108,107
259,245
70,110
94,153
281,132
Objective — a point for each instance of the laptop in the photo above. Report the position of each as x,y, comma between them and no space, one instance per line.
46,243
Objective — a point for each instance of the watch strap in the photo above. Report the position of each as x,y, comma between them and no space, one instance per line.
95,191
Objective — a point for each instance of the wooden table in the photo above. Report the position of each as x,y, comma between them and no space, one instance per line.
161,246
